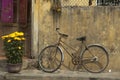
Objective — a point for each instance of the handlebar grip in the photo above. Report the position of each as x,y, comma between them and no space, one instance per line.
63,35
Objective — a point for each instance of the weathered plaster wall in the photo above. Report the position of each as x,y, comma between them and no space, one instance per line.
99,24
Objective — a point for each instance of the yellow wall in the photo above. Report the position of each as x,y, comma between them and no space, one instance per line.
99,24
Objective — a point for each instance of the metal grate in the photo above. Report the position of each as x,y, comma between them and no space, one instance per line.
75,2
90,3
108,2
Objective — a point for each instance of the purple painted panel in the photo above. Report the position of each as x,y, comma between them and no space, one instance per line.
0,8
7,11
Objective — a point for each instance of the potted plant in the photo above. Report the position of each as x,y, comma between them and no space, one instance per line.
14,50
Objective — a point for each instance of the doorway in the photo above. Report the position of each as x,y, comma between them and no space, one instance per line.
19,19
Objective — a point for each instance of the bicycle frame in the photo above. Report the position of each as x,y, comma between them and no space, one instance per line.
61,44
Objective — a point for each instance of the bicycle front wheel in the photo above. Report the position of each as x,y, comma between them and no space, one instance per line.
95,58
50,58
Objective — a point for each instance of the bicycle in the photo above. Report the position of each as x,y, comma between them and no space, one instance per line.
90,56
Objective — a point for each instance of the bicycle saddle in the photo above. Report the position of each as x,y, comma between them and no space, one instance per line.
83,38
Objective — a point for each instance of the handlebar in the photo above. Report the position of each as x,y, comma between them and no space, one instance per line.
61,34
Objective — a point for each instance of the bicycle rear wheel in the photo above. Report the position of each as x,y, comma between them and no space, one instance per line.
50,58
95,58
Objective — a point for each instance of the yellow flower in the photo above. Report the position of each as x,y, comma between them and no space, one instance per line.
9,41
3,37
17,38
16,33
23,38
12,35
21,33
19,47
6,36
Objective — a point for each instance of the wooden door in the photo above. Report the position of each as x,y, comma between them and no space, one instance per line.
15,15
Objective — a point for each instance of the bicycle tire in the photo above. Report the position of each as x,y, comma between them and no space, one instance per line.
93,57
53,57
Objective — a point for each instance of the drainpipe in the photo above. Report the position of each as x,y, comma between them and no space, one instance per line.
56,9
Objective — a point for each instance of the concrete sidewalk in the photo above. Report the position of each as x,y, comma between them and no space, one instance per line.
35,74
59,75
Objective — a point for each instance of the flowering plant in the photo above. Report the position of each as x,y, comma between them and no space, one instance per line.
14,47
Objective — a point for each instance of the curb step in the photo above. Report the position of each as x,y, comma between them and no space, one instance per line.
30,72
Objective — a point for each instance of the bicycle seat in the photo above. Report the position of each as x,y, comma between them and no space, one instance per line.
83,38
